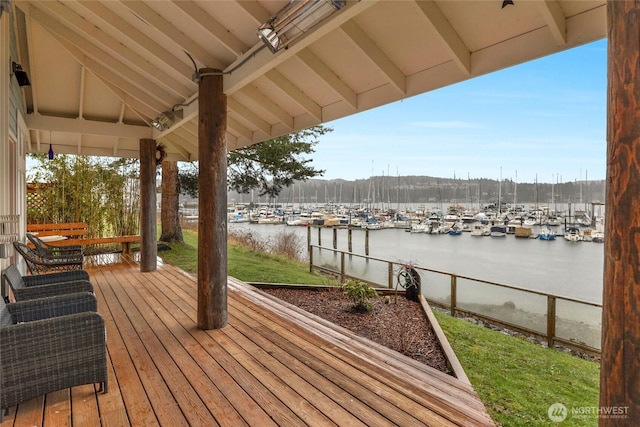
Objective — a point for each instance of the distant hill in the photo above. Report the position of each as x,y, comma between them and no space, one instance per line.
429,190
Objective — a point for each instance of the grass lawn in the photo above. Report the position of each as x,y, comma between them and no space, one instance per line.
517,380
245,264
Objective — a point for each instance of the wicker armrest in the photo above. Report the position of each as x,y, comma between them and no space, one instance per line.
45,249
51,289
43,308
62,276
43,356
38,264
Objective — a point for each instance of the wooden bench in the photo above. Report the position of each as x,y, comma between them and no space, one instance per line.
75,233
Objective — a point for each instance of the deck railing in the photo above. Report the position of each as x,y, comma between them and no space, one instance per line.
559,320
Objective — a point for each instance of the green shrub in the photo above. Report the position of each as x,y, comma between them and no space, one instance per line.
361,294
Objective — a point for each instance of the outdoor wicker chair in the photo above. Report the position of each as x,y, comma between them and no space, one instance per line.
67,282
44,249
50,344
38,264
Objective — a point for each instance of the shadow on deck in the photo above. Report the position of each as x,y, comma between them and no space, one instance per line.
272,365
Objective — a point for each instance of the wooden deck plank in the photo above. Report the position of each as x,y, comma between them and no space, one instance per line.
147,396
273,364
58,409
284,366
172,374
348,377
187,375
244,379
279,386
84,406
195,342
111,404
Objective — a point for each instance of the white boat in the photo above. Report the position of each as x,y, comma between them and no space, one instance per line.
572,234
480,230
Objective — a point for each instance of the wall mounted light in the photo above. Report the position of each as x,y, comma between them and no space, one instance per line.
166,119
294,19
21,75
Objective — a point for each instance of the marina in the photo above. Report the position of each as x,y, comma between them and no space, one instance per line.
561,267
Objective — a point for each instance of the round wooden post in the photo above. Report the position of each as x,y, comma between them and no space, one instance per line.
620,363
148,226
212,203
349,240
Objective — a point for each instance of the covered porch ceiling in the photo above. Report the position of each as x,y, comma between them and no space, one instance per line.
102,71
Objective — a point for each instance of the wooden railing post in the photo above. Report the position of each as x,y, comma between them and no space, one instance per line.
350,240
319,236
308,237
310,259
551,320
366,241
454,294
342,273
390,274
335,238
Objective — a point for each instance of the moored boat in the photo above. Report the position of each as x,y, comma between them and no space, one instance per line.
499,230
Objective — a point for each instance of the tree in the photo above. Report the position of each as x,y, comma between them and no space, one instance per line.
169,215
268,166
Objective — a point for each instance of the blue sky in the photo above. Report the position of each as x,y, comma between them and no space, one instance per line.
544,118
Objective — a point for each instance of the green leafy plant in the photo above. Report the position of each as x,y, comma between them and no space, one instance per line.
361,294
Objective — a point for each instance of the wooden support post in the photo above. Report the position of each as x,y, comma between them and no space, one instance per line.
319,236
350,240
212,203
335,238
366,241
309,238
148,226
620,362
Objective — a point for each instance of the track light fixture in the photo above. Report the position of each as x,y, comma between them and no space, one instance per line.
21,75
294,19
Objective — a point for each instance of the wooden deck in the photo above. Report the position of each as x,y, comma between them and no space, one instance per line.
272,365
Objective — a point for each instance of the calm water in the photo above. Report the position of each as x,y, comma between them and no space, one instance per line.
570,269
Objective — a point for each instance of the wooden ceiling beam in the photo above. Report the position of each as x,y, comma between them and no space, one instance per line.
447,34
137,37
84,52
172,33
215,28
296,94
80,31
380,59
267,105
338,85
144,98
84,126
245,113
555,19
